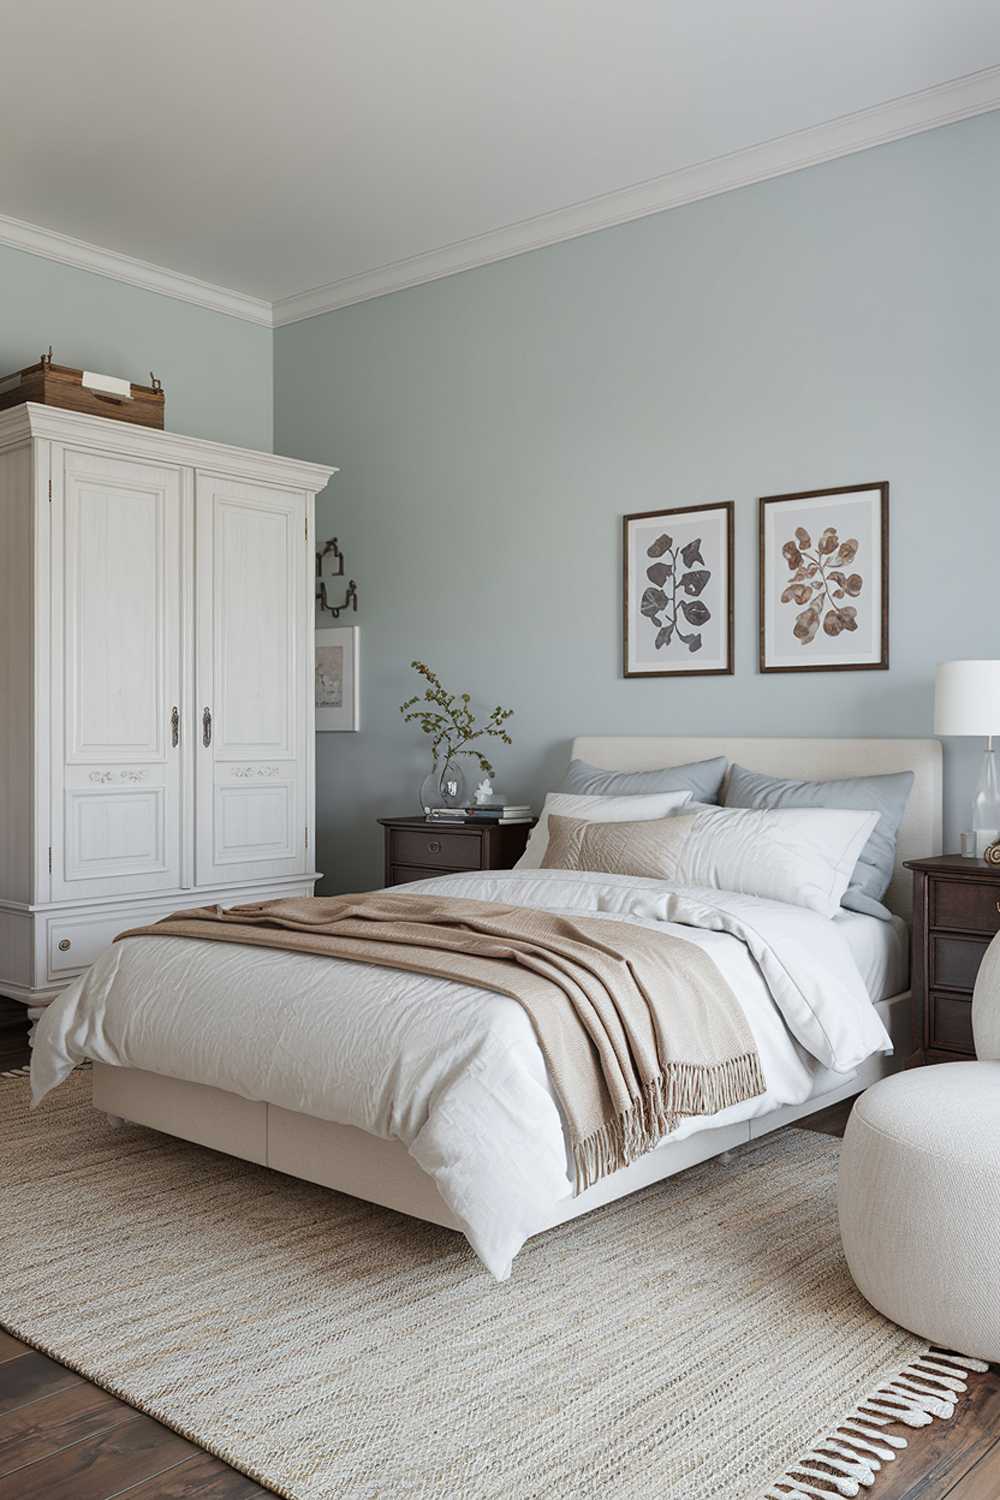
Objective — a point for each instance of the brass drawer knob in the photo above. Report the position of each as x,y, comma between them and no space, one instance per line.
64,945
434,847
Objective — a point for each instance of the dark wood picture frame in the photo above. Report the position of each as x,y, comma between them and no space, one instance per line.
764,501
728,507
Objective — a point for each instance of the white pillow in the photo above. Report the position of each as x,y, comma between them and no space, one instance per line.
631,809
802,856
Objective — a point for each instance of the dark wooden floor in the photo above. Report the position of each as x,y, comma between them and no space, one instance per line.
62,1438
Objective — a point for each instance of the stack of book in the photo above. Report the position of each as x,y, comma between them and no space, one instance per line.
518,812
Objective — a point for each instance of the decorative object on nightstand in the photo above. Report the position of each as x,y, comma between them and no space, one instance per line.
453,726
956,913
967,702
416,849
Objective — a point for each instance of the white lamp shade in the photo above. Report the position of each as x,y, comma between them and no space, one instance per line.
967,698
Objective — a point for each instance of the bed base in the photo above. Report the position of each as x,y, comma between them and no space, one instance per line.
365,1166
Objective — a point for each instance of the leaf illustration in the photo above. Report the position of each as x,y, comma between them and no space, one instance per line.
829,541
653,600
854,585
802,537
663,636
792,555
797,593
695,612
694,583
694,643
806,625
659,572
837,620
692,553
662,544
848,550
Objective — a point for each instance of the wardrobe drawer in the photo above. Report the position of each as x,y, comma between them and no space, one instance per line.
955,961
950,1024
967,905
435,850
74,942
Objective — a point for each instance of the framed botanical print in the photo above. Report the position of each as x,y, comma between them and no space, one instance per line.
678,596
824,580
338,687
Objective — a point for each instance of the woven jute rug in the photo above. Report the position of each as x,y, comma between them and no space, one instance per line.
693,1342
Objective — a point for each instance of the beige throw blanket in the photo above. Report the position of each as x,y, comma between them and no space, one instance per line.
638,1028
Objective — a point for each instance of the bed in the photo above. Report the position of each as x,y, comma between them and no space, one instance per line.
247,1051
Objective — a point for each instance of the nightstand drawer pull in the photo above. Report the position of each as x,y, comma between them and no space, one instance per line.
65,945
434,847
998,905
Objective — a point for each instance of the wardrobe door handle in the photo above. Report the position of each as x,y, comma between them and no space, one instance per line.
175,726
206,727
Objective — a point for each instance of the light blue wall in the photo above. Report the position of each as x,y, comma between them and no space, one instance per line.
217,371
834,326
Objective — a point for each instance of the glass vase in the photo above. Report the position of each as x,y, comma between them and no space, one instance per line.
986,808
443,787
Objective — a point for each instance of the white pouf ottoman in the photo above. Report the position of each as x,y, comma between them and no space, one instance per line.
919,1202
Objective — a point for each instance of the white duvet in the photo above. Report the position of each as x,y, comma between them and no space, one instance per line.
453,1072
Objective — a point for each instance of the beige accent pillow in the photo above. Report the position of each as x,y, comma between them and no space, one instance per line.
802,856
596,810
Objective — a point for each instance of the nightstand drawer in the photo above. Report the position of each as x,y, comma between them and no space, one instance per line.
435,849
403,874
955,961
968,905
950,1023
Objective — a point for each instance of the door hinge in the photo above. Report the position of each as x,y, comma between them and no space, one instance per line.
50,491
50,859
307,528
307,838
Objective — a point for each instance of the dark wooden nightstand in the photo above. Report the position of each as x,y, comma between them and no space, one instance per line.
956,911
416,849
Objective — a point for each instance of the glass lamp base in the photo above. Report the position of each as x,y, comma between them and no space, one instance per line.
986,807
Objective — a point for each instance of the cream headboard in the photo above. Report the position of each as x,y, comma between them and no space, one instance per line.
811,760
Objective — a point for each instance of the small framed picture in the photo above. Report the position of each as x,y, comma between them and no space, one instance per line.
338,686
824,580
678,596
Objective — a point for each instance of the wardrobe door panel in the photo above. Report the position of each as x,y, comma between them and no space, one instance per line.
117,675
252,599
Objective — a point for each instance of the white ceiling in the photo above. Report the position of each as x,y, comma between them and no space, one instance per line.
275,146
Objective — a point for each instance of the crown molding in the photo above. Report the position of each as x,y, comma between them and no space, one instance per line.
20,424
944,104
47,243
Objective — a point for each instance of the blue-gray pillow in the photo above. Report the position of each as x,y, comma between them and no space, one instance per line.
886,795
702,778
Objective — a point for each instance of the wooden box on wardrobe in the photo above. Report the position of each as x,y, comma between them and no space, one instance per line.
156,683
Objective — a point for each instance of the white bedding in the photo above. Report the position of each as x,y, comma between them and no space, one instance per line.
881,951
453,1072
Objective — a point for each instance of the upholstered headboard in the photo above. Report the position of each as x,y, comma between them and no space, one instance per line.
811,760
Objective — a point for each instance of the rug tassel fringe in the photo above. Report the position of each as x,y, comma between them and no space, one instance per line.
852,1453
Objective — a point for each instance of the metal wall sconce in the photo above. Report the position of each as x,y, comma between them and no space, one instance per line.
333,569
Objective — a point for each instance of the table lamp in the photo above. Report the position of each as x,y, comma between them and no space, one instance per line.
967,701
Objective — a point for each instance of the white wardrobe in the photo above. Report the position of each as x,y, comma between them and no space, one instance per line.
156,683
